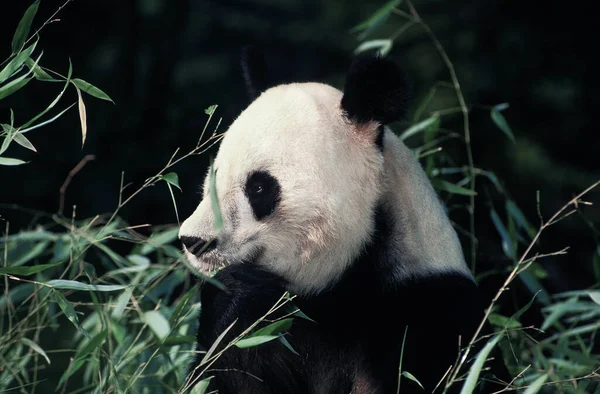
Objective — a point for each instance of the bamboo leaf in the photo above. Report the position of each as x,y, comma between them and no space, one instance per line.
26,271
255,341
157,323
537,384
82,116
410,376
74,285
418,127
7,161
16,63
502,124
90,89
201,386
475,370
171,178
23,28
24,142
35,347
450,187
69,311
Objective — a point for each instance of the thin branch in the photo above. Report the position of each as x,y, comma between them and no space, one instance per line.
67,182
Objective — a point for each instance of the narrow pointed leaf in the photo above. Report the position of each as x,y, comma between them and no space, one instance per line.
74,285
23,28
201,386
502,123
69,311
24,142
255,341
422,125
7,161
475,370
16,63
537,384
452,188
410,376
82,116
36,348
171,178
90,89
157,323
14,86
26,271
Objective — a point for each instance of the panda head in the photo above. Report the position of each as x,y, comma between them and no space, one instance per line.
298,175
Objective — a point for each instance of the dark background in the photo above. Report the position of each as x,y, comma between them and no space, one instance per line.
163,62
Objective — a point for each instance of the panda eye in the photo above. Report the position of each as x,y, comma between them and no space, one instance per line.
263,193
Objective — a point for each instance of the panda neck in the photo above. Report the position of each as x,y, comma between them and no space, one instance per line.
417,236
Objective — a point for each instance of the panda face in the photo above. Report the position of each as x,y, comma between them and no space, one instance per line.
297,183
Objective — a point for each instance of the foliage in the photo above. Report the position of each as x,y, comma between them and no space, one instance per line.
93,305
18,70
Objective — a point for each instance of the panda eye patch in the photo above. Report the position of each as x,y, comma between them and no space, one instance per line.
263,193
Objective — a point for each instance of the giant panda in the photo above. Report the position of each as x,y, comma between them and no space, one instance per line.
320,198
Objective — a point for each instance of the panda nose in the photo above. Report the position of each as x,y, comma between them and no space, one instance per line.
198,246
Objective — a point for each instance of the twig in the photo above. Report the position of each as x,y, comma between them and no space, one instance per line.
72,173
513,274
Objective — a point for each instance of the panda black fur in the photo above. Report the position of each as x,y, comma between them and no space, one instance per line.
320,199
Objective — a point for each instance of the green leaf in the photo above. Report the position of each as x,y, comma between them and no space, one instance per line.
507,245
383,46
215,200
71,371
410,376
121,304
211,110
69,311
201,386
16,63
450,187
595,296
26,271
422,125
32,252
35,347
502,123
90,89
179,340
92,345
158,239
13,86
23,28
24,142
274,328
171,178
74,285
475,370
285,343
514,211
502,321
7,161
157,323
214,345
535,387
255,341
376,19
183,305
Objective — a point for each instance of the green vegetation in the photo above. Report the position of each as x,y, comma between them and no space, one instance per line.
92,305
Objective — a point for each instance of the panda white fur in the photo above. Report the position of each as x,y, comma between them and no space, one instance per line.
318,197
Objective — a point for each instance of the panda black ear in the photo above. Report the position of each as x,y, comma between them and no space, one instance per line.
375,89
256,73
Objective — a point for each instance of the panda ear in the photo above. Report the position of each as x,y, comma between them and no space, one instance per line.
375,89
256,73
